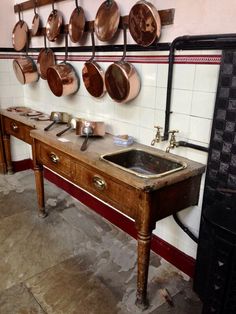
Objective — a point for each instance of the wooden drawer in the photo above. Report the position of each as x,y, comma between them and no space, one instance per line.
55,160
106,188
17,129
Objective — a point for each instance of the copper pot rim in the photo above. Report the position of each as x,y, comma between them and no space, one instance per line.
98,127
110,32
53,36
77,13
25,29
119,64
156,17
17,62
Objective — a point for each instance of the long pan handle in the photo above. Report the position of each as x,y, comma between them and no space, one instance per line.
49,126
63,131
85,143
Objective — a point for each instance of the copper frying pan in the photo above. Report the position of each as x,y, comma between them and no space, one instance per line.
121,78
46,58
54,24
107,20
93,75
144,23
76,23
36,21
20,33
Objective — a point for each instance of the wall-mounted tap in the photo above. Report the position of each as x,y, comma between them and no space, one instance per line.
173,143
158,136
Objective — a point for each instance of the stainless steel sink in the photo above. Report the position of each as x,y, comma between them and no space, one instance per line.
143,163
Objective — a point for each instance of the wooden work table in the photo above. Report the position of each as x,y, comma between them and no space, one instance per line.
144,200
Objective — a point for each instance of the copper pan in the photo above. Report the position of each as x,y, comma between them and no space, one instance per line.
36,21
121,78
46,58
144,23
107,20
76,23
62,78
58,117
54,24
20,33
71,125
93,75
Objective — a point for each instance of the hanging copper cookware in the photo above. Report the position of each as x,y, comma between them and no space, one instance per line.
54,24
46,58
25,69
93,75
144,23
107,20
76,23
36,21
20,33
62,78
121,78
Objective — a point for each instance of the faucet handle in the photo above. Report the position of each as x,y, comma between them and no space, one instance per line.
158,136
172,132
158,127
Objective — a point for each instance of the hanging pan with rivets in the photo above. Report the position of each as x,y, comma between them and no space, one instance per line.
54,24
76,23
107,20
46,58
93,75
62,78
20,33
122,79
144,23
36,21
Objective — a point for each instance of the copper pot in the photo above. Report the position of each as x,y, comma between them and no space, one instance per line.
93,75
46,58
76,23
54,24
62,78
36,23
89,128
121,79
58,117
20,33
25,70
144,23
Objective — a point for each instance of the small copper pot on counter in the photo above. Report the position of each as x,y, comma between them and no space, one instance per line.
89,128
121,78
58,117
62,78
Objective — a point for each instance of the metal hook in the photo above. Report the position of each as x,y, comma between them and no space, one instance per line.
125,42
19,11
53,9
77,6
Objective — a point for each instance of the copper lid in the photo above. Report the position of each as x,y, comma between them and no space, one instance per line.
46,58
20,35
35,24
144,23
76,24
53,26
18,72
107,20
93,78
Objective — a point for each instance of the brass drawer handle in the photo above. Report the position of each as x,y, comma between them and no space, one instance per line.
54,158
14,127
99,183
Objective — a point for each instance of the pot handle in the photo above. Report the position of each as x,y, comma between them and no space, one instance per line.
66,47
125,41
93,45
63,131
50,125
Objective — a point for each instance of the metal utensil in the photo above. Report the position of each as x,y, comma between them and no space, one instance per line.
70,126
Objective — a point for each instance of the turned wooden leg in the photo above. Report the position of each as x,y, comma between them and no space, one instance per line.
38,171
7,148
144,245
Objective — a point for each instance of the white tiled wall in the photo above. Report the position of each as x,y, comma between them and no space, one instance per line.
193,99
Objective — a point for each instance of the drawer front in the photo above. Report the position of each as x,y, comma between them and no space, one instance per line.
17,129
108,190
55,160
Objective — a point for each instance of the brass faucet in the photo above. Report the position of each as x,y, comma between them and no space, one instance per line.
158,136
173,142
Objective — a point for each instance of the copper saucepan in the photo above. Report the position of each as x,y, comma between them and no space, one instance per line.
71,125
54,24
89,128
76,23
46,58
25,69
107,20
121,78
93,75
36,21
144,23
20,33
58,117
62,78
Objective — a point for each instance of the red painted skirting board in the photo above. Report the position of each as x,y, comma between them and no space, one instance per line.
177,258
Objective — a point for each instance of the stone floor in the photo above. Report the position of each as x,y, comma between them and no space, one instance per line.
74,261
